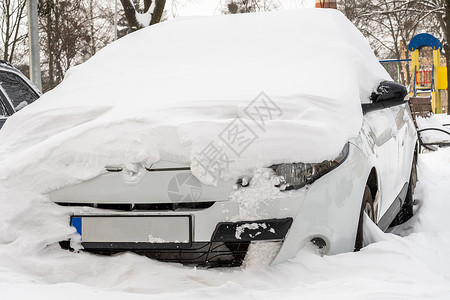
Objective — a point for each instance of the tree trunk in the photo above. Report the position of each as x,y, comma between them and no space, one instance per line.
51,76
130,15
8,29
147,4
405,66
92,37
19,16
158,11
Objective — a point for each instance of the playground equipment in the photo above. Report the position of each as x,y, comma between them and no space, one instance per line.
438,79
398,61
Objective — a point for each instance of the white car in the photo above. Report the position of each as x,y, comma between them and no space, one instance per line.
207,140
171,216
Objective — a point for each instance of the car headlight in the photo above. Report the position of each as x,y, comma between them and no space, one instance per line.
297,175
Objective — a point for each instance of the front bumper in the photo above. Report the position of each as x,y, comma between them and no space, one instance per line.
220,227
114,233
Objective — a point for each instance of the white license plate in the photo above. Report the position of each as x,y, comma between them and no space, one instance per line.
133,229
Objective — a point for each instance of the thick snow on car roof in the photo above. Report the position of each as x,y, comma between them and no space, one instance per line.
228,92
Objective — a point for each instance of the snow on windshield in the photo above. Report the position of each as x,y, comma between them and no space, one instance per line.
255,89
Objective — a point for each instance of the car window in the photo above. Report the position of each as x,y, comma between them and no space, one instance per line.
17,90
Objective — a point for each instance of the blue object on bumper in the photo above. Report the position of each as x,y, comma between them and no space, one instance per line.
76,222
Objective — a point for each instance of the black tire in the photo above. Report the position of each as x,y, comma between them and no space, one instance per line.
406,211
367,206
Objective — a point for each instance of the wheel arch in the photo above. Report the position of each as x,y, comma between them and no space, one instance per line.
372,181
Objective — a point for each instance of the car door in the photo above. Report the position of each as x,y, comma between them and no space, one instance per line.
383,132
406,141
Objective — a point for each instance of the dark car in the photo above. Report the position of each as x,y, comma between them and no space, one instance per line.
16,91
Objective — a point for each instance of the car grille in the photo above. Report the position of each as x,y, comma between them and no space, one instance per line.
206,254
145,206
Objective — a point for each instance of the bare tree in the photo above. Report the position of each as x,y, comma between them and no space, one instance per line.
72,31
138,18
12,15
101,19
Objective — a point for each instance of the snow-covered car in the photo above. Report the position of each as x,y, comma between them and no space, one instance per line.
223,139
16,91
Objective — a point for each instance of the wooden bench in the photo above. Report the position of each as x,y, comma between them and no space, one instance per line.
421,106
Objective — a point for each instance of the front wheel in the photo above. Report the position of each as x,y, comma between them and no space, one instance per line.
367,207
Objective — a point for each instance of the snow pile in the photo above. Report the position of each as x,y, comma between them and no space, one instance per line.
177,90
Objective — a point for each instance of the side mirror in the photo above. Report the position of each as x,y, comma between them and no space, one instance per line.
389,91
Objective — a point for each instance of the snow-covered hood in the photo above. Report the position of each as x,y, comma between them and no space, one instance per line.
223,94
